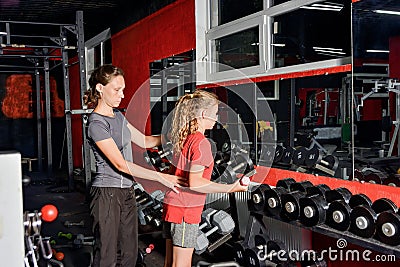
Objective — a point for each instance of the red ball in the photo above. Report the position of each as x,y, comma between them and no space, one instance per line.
49,213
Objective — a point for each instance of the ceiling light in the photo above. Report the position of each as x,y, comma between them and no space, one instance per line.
328,6
377,51
327,48
279,45
389,12
330,51
3,33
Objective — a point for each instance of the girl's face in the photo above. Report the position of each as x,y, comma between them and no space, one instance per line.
210,117
113,92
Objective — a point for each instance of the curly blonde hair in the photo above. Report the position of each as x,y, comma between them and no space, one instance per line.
187,109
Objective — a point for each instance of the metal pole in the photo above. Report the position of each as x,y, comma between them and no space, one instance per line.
82,74
38,118
292,112
48,115
67,101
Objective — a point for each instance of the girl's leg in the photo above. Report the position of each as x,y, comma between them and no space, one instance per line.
182,257
168,253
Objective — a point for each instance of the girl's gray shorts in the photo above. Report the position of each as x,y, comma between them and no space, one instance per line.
182,235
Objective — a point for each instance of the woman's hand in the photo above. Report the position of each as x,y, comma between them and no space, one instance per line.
172,181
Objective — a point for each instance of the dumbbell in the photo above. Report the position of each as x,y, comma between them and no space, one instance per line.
291,200
392,180
285,183
338,212
375,177
279,151
313,205
287,155
299,155
71,224
316,159
221,222
81,240
239,252
388,224
258,201
155,158
242,164
252,255
358,176
277,251
363,217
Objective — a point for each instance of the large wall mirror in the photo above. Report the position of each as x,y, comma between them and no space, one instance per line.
375,91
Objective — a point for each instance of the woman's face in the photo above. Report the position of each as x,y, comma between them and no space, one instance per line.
113,92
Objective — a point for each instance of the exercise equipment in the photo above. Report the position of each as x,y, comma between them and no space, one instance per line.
274,200
340,193
375,177
221,222
388,228
285,183
290,201
239,252
363,217
69,224
299,155
252,255
359,199
155,158
258,200
241,164
314,205
392,180
316,159
287,155
338,215
279,151
49,213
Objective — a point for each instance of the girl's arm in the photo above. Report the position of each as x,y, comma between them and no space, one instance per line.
110,150
199,184
143,141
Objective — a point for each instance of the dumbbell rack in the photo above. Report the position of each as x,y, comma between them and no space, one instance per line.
375,191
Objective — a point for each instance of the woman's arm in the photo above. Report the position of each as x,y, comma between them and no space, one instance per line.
110,150
144,141
199,184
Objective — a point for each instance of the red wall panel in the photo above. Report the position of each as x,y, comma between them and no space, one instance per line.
167,32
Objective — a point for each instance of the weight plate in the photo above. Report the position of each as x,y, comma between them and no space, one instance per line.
340,193
362,221
333,162
314,156
299,155
287,155
359,199
300,186
338,215
239,253
278,153
375,177
358,176
251,257
320,189
285,183
313,210
290,210
392,180
273,197
258,200
388,227
384,204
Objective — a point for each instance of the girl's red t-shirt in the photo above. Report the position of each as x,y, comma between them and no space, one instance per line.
188,205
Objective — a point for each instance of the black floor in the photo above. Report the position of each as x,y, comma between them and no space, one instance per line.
73,207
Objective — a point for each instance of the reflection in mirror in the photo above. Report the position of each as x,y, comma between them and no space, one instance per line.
375,91
320,135
320,31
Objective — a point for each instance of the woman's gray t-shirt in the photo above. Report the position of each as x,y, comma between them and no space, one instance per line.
103,127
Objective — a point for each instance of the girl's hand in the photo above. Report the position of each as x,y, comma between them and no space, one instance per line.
237,187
